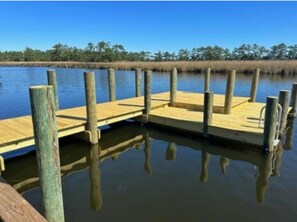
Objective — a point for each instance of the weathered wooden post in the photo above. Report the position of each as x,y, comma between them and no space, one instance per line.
270,123
47,150
171,151
207,111
254,86
284,98
90,91
293,101
138,82
207,79
52,81
147,91
173,86
229,91
289,134
95,191
205,157
111,82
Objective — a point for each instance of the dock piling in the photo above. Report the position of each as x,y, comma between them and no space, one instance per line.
47,150
254,86
284,98
207,111
90,91
171,151
147,91
293,101
52,81
207,79
111,82
229,91
173,86
138,82
270,123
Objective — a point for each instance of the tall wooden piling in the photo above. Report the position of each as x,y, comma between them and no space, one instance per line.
47,151
173,86
111,83
270,123
90,91
52,81
147,91
207,111
293,101
229,91
284,98
207,79
138,82
254,86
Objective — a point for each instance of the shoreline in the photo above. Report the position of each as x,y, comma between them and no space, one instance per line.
280,67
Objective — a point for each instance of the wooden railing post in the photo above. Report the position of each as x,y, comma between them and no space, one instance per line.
138,82
52,81
173,86
293,101
270,123
207,111
254,86
111,83
207,79
91,106
229,91
284,98
147,91
47,150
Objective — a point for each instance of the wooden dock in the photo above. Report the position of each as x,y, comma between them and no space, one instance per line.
17,132
224,116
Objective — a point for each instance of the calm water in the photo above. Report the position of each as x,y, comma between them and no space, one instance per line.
156,175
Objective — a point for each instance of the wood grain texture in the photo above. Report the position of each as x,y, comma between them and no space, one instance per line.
14,208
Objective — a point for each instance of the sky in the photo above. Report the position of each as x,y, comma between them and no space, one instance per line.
148,26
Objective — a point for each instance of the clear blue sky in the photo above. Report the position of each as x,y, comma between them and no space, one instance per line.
149,26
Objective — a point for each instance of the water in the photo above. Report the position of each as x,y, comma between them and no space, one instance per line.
169,177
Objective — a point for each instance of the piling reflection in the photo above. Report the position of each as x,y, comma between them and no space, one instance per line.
224,162
264,167
76,156
95,175
289,135
205,157
171,152
147,153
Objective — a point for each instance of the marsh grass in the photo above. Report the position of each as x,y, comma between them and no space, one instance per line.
282,67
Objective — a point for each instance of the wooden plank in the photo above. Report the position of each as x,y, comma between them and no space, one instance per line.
14,207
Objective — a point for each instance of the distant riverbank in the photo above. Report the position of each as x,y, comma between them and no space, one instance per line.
282,67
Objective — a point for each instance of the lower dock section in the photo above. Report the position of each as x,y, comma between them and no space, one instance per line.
241,125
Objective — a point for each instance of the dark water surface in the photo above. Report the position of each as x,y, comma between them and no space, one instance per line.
156,175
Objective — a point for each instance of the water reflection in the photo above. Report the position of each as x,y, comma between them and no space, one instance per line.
94,173
76,156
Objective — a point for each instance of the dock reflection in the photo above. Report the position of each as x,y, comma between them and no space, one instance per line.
76,155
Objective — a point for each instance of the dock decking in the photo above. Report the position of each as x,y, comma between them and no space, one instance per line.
186,115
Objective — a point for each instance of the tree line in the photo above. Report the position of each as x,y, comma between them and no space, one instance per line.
106,52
